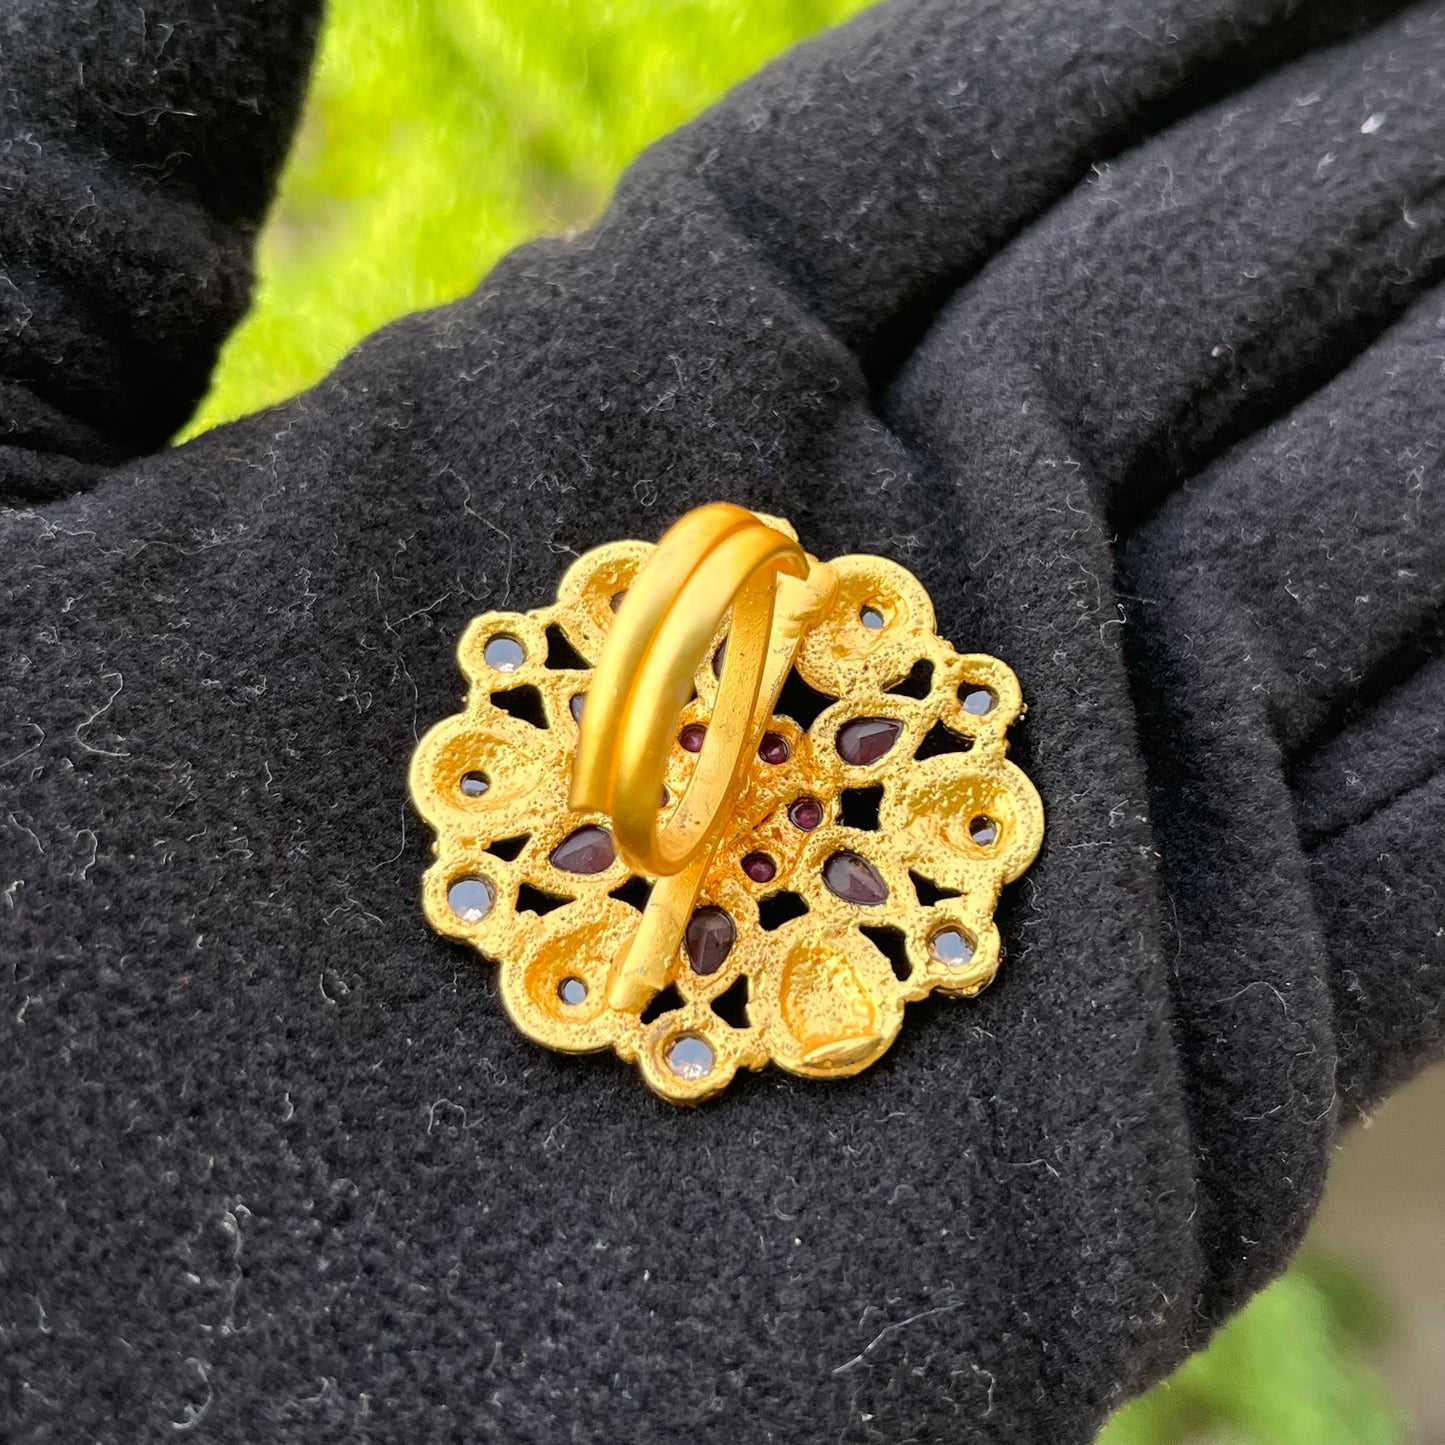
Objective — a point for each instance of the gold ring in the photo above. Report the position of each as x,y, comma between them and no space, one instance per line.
717,560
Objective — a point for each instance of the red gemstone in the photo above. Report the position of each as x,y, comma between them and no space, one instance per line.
692,737
719,657
854,879
760,867
774,749
866,739
709,939
588,850
806,813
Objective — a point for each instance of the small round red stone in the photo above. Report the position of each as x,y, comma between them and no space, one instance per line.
806,813
774,749
760,867
692,736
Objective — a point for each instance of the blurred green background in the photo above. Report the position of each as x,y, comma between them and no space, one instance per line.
441,133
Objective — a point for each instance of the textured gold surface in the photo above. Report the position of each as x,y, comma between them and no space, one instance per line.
822,997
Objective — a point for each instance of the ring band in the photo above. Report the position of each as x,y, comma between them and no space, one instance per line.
718,559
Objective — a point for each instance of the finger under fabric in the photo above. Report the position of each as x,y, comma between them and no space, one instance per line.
1392,743
732,336
886,162
1201,284
46,452
140,147
1322,539
1380,896
1371,805
1082,366
1262,599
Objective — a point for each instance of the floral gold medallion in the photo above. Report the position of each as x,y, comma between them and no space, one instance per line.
723,804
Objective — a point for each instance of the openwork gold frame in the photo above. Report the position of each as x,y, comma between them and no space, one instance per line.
823,955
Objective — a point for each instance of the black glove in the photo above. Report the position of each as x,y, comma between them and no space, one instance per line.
1115,324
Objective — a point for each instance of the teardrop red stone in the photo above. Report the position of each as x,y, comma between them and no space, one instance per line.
709,939
866,739
588,850
854,879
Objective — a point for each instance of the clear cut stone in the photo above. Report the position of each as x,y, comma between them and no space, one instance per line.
951,946
690,1057
471,899
504,653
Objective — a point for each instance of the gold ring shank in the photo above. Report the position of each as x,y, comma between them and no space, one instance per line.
719,559
653,593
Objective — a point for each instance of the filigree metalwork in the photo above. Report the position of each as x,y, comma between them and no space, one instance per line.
857,870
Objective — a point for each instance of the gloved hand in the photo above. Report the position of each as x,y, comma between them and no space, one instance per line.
1115,324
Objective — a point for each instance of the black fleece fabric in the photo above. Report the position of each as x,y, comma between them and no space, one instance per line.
1122,324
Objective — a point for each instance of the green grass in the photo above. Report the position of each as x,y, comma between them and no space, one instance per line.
1287,1371
441,133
